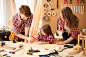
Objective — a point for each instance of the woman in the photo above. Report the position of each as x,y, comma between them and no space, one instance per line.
71,23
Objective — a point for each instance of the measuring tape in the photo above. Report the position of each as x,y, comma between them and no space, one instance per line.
45,19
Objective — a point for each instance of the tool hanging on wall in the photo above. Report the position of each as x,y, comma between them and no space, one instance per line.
45,5
57,4
54,14
45,10
49,14
65,1
50,6
76,8
77,2
71,7
45,18
82,10
70,2
82,1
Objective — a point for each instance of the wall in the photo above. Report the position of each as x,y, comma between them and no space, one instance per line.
53,20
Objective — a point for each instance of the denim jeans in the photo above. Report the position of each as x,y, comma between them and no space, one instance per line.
66,36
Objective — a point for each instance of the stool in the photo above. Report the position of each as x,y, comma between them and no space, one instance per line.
83,36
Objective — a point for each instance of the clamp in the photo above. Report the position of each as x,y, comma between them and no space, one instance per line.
82,1
70,2
66,1
77,2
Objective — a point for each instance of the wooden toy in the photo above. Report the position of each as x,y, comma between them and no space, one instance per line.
1,50
10,48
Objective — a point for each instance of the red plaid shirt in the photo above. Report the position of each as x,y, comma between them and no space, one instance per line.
19,24
61,23
74,31
47,38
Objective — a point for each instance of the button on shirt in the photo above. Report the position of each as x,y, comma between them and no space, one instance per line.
19,24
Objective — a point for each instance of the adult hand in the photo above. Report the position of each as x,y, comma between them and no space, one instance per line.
58,30
60,43
26,41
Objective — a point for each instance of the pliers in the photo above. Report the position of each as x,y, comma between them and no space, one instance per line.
77,2
82,1
70,2
66,1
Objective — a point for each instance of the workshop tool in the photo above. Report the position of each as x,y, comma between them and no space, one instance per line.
10,48
45,10
45,18
54,14
82,1
70,2
45,5
34,38
48,14
50,54
13,52
83,9
50,5
31,51
77,2
65,1
76,8
45,14
57,4
71,7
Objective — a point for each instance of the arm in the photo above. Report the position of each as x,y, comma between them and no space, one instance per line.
66,41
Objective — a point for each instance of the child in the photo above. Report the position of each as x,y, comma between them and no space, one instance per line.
71,23
45,35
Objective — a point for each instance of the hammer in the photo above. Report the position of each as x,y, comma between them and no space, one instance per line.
13,52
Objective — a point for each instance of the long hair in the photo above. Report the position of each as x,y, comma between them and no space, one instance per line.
70,19
47,29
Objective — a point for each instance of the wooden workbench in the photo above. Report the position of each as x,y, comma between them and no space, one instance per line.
27,46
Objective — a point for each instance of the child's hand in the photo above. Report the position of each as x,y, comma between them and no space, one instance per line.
60,43
30,39
26,41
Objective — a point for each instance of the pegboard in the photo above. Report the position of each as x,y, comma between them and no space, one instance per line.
53,19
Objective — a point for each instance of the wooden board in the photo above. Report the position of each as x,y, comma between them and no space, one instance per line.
7,47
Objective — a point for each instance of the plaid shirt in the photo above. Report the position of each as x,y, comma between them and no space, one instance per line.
19,24
74,32
47,38
61,23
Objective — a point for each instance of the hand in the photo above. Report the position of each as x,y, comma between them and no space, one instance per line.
30,39
26,41
58,30
40,43
60,43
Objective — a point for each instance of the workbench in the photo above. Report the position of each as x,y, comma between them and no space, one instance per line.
27,46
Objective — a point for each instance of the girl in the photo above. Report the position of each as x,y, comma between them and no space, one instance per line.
45,35
71,23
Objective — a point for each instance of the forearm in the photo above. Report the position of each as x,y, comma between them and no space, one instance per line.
68,40
22,36
45,42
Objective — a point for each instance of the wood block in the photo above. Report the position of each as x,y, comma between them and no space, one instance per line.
76,48
70,52
1,50
7,47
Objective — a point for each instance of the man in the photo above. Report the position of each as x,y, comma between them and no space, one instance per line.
22,21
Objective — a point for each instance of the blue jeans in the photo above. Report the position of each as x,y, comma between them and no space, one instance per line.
66,36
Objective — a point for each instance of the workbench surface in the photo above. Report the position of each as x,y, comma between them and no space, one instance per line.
27,46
